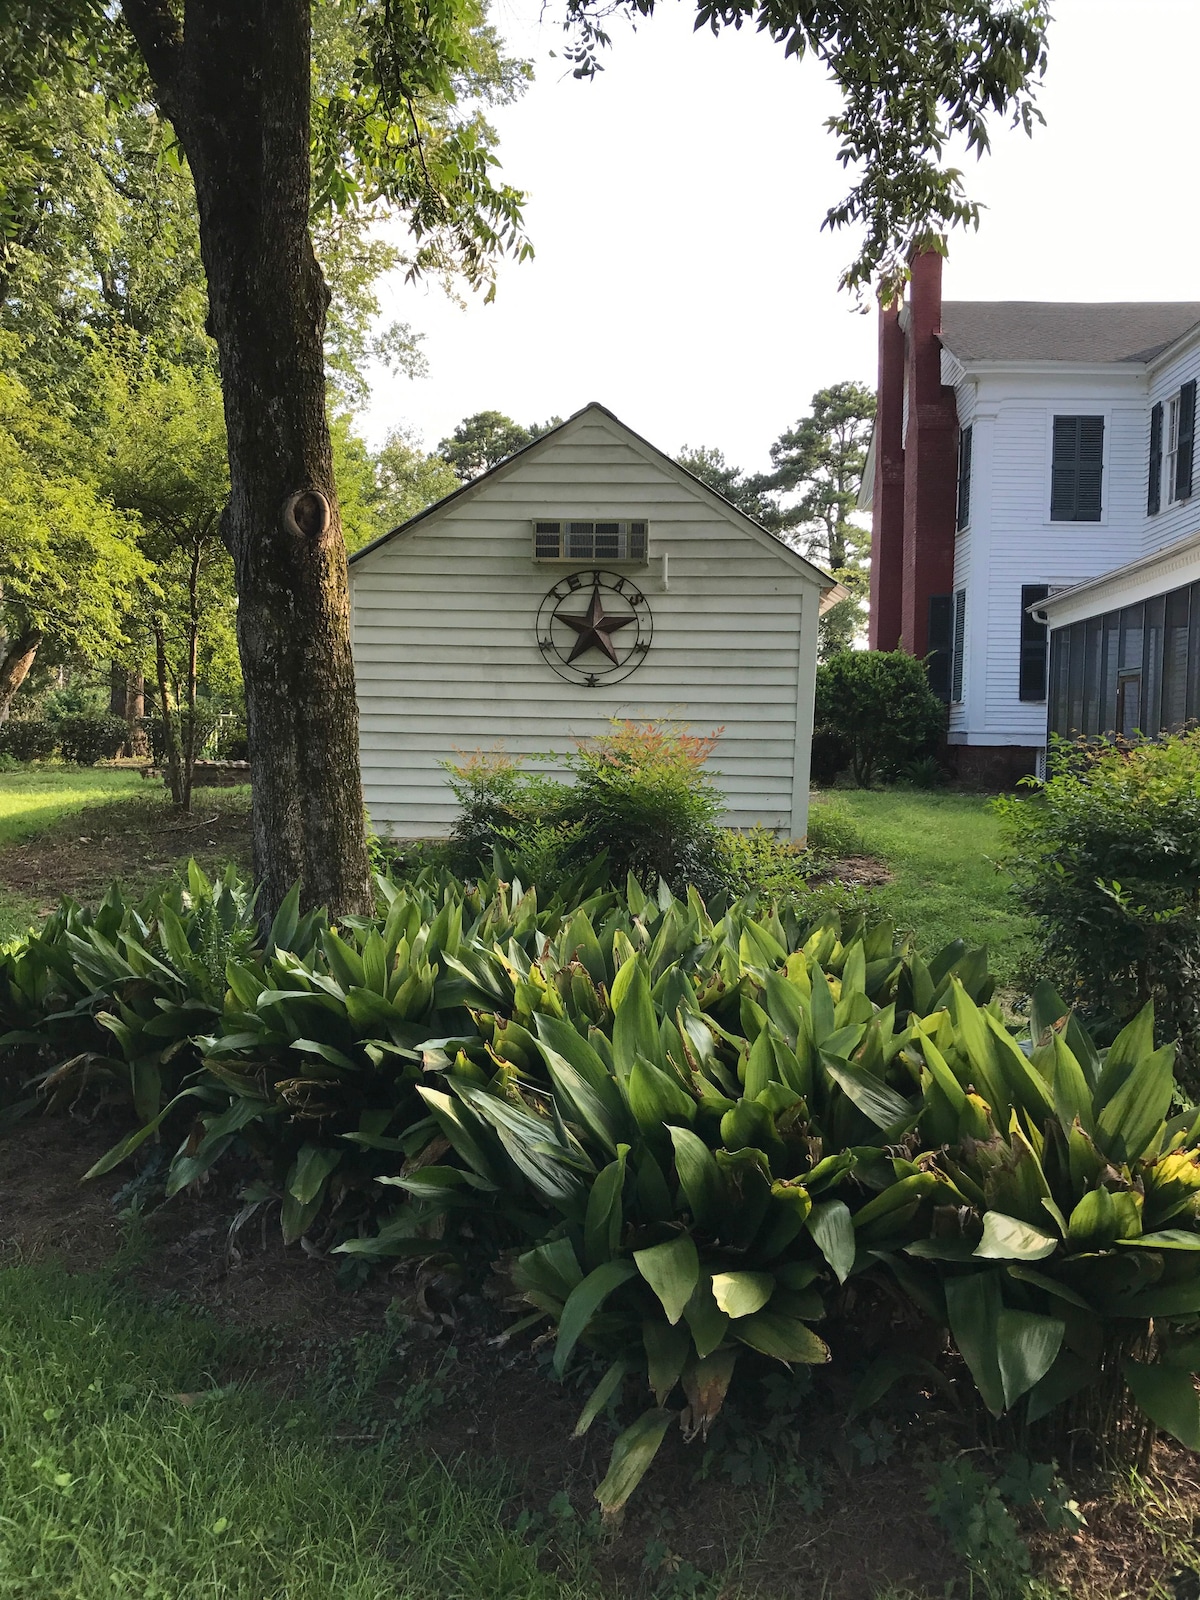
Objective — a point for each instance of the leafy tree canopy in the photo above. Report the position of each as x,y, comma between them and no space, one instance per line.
810,496
487,438
68,557
744,490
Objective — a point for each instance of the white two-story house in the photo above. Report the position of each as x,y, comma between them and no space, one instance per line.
1036,511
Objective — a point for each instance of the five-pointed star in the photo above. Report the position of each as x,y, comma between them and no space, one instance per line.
594,628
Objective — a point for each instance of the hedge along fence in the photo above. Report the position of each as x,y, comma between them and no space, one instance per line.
682,1126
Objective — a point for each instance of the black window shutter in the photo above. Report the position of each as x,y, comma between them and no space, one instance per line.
964,478
1035,644
1076,471
960,621
1154,487
1064,472
1187,440
941,642
1091,466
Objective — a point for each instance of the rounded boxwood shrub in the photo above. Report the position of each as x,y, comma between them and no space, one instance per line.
879,703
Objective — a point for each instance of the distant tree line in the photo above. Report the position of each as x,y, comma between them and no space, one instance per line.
810,494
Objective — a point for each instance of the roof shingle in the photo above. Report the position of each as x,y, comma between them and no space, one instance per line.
1056,330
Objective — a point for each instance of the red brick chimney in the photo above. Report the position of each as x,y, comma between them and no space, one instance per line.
930,459
887,513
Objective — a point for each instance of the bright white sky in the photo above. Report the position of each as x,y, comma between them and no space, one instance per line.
681,277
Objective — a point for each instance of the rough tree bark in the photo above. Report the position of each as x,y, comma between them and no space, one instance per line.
234,79
15,665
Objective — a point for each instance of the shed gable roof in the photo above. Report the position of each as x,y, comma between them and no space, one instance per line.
745,524
1082,332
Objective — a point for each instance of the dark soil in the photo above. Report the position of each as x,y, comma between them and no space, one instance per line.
422,1351
135,842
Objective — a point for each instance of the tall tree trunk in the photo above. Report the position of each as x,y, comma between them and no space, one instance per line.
169,723
235,79
14,668
134,711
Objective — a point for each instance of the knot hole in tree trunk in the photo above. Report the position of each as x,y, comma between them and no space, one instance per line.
306,514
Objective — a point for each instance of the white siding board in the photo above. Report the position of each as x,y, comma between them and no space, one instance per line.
446,653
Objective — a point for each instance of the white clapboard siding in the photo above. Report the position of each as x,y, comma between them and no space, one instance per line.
446,654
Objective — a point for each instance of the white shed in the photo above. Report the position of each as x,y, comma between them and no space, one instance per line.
587,577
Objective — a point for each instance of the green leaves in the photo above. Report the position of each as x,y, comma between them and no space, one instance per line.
672,1270
582,1304
1009,1239
1169,1398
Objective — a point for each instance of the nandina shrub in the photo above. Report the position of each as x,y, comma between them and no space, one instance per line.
880,703
639,796
1106,860
643,795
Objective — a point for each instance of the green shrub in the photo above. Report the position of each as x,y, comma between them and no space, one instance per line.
88,737
644,799
880,703
757,861
834,834
29,738
640,799
1106,861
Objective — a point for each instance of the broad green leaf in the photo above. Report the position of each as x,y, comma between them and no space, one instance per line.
605,1215
655,1097
973,1304
583,1302
667,1348
1093,1224
1072,1094
704,1317
635,1027
832,1227
1027,1345
600,1396
1010,1239
700,1178
740,1294
312,1166
1168,1397
1134,1044
672,1270
1167,1239
632,1454
784,1338
1131,1117
881,1105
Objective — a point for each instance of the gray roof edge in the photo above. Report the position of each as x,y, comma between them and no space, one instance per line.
827,578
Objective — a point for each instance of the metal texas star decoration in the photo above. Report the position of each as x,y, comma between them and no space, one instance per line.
595,629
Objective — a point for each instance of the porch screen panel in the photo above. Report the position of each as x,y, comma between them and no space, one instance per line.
1060,662
1175,661
1132,630
1075,678
1093,676
1152,658
1112,661
1193,669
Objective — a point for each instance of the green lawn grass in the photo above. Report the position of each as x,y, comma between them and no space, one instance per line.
942,849
130,1468
34,797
